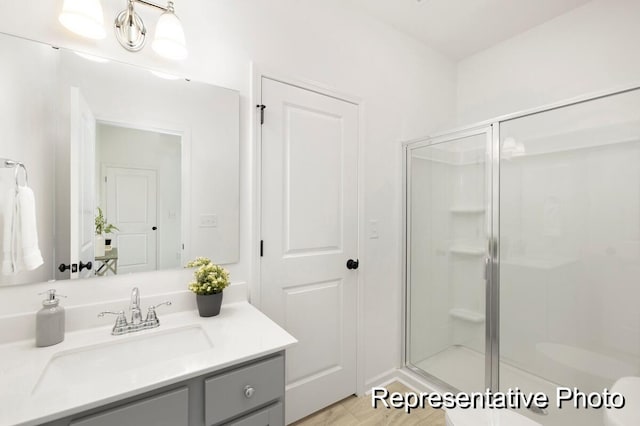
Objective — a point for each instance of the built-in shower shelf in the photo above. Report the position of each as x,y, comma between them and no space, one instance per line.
468,250
467,315
467,209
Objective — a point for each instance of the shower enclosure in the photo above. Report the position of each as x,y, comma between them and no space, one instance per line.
523,253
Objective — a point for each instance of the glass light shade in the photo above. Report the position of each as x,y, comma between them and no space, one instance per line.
169,40
83,17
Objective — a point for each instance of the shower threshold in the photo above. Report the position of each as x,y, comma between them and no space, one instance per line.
463,368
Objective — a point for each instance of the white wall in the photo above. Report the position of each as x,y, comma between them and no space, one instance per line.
408,91
26,87
592,48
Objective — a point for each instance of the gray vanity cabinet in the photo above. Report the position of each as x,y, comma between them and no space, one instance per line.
247,394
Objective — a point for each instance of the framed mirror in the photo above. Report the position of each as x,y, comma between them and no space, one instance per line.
117,154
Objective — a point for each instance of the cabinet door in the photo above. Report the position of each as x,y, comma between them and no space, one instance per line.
270,416
168,409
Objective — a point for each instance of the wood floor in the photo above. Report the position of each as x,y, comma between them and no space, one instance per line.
358,411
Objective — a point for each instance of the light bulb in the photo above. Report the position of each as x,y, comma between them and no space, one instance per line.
83,17
169,40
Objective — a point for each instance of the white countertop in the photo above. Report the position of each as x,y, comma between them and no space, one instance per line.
238,334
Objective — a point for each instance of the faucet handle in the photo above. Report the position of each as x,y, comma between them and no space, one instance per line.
151,312
121,321
160,304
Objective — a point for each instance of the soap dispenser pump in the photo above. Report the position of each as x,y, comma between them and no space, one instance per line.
50,320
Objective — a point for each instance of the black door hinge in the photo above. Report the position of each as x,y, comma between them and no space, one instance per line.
262,107
261,248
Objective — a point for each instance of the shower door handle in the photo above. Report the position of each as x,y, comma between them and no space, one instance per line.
487,268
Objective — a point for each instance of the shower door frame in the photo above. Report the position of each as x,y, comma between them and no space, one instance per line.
491,258
492,307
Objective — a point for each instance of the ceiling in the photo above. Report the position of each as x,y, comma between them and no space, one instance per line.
460,28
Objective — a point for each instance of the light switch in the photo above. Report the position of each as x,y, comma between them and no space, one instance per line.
208,220
373,230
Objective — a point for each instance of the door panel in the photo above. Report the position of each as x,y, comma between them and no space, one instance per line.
310,229
313,150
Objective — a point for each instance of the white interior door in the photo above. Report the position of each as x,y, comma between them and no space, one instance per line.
309,231
131,206
82,186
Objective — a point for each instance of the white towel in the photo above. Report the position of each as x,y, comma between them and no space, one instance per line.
20,237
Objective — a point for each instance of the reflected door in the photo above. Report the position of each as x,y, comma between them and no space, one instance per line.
82,147
132,207
449,218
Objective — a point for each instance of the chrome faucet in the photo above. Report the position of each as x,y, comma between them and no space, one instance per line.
134,307
123,327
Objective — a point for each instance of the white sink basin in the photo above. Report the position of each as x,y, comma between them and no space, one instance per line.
90,364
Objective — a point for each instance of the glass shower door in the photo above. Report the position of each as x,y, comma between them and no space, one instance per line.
448,224
570,251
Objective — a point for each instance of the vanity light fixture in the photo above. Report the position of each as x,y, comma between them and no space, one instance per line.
84,17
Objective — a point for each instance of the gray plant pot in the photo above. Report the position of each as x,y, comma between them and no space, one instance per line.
209,304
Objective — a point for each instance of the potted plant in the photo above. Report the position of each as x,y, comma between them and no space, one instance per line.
210,281
102,227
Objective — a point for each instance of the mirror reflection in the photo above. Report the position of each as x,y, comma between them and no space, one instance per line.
139,208
130,170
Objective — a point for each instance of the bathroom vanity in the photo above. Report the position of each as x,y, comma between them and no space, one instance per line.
189,371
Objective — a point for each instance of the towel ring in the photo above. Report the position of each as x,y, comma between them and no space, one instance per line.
18,167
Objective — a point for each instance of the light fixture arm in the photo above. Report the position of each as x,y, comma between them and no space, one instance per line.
167,8
130,29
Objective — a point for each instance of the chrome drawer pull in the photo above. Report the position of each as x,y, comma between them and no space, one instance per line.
249,391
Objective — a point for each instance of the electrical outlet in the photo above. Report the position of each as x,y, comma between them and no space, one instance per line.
208,220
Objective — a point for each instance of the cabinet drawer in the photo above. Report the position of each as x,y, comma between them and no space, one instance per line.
270,416
242,390
167,409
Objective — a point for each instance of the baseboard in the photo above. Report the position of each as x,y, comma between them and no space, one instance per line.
381,380
404,376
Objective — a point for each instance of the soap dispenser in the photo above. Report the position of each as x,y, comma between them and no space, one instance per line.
50,320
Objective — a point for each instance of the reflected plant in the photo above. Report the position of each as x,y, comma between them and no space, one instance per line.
102,227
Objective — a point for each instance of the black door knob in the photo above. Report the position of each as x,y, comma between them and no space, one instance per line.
63,267
353,264
86,266
154,228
